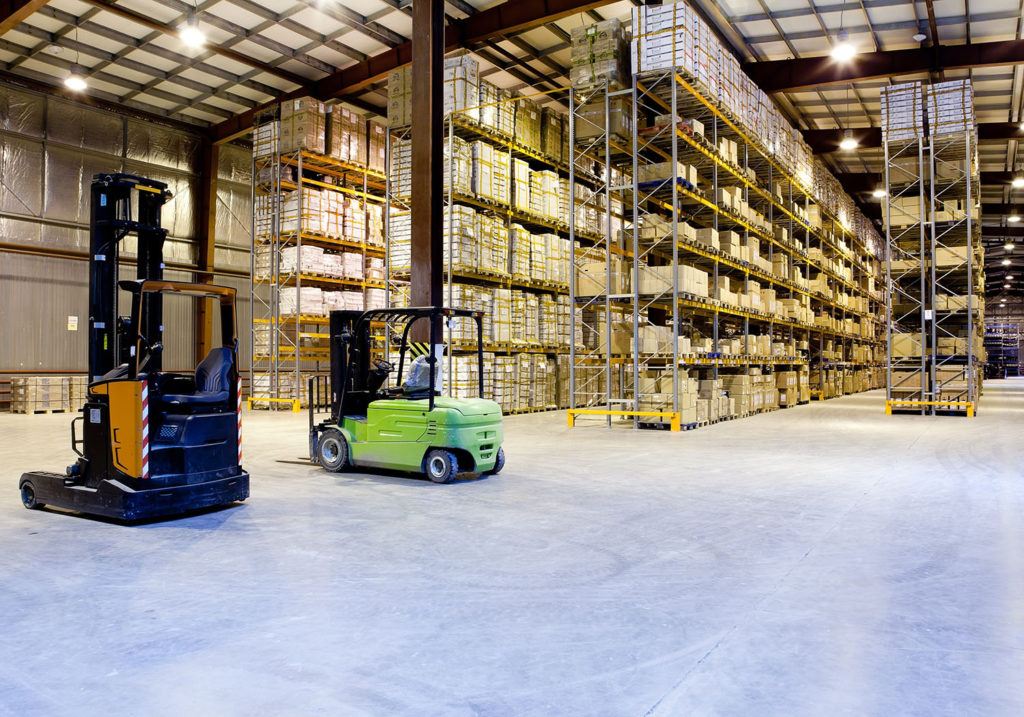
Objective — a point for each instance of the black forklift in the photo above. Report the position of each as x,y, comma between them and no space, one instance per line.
154,443
409,426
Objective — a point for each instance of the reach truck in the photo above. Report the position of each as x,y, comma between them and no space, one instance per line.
154,443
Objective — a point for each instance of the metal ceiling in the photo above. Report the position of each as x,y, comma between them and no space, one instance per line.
772,31
257,50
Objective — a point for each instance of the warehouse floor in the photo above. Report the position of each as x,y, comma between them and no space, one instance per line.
813,560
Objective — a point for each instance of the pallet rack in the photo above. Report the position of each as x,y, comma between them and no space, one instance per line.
906,270
935,259
530,358
289,346
837,335
1002,347
595,375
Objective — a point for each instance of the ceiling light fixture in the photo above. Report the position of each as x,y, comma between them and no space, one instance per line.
1017,181
843,50
190,33
878,193
1006,286
1013,218
848,142
920,37
75,80
1009,246
1006,262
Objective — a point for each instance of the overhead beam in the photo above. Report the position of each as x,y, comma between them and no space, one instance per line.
12,12
811,72
113,104
152,24
861,182
823,141
508,17
1001,232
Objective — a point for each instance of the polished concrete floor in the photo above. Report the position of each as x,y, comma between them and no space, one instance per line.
822,560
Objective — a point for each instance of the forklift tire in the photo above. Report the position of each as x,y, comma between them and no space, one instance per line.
28,497
499,463
441,466
332,450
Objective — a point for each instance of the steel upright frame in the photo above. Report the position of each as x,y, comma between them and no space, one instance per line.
955,183
907,285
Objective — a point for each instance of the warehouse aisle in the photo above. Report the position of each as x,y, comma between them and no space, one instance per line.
822,559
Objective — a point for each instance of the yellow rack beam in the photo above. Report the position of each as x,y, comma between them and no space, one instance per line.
969,405
675,416
296,408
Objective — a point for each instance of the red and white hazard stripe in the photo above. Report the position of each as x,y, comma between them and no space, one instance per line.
239,420
145,429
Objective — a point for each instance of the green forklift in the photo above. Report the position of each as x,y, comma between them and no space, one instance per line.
409,426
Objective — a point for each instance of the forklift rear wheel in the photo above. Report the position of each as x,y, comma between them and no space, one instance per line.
332,450
499,463
28,496
442,466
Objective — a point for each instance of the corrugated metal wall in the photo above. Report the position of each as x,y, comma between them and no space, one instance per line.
49,150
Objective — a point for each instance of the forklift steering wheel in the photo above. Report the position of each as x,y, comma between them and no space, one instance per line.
382,365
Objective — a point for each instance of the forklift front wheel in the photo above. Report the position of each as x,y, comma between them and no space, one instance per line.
332,450
442,466
28,496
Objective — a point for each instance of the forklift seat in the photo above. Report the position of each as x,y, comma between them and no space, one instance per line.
213,382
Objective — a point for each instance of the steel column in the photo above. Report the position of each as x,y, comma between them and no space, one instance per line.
427,158
206,216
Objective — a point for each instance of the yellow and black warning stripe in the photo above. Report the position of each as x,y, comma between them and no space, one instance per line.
418,348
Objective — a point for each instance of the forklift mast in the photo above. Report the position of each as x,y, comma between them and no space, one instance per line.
350,354
123,204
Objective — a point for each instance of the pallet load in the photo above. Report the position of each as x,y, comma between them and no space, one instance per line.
39,394
346,139
599,53
303,125
461,90
902,112
950,107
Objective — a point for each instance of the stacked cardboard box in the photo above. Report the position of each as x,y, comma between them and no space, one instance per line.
659,279
266,139
375,298
30,394
346,139
490,174
307,301
305,260
599,53
461,92
902,112
528,124
497,109
591,120
343,300
553,134
78,392
950,107
663,38
303,125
